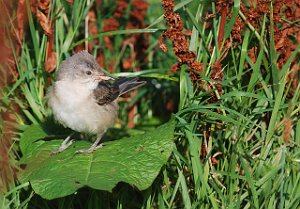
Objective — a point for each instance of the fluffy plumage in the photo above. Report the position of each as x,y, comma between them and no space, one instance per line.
83,99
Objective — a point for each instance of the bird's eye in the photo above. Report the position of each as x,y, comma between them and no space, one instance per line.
88,72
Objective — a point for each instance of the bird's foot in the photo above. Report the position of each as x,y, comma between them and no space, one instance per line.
62,147
89,150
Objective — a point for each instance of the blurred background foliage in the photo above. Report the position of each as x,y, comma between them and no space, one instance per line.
228,69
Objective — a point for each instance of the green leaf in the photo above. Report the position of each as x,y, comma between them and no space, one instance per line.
30,135
136,160
230,24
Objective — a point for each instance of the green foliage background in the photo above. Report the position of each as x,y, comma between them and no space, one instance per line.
247,163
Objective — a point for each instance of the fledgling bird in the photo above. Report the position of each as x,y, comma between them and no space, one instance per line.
84,100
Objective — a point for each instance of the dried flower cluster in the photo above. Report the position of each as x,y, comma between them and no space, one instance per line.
286,33
41,8
182,52
137,42
7,113
285,15
180,43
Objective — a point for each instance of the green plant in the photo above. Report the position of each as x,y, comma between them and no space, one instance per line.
237,123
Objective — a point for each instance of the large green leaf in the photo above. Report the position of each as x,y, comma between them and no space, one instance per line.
136,160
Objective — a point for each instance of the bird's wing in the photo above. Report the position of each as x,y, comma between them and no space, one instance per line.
127,84
106,93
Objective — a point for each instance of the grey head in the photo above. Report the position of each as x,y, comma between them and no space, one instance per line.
81,66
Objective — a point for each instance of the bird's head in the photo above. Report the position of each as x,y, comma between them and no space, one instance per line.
83,68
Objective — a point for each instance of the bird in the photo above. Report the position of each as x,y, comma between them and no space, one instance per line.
84,98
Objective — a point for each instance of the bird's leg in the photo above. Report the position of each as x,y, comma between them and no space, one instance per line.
64,145
94,146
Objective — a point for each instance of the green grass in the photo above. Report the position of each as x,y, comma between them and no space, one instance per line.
242,130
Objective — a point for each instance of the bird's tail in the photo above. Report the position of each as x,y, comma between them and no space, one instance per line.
127,84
